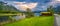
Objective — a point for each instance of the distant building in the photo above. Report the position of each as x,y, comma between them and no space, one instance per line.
46,14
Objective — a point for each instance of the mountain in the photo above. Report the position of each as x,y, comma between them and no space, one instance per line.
7,8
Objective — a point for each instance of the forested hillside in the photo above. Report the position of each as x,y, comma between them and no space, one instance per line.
4,8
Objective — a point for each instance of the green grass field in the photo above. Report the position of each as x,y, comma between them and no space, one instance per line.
34,21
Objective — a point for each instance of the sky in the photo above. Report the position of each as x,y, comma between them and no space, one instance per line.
34,5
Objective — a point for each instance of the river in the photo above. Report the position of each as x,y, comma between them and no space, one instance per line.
5,18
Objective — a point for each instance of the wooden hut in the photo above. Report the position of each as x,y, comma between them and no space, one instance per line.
46,14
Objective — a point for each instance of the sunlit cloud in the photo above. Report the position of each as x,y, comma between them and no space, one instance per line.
24,5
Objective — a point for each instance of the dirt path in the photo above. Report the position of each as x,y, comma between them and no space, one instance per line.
57,20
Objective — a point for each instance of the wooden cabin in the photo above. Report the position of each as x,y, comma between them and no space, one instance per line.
46,14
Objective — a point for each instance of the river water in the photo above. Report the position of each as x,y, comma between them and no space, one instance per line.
5,18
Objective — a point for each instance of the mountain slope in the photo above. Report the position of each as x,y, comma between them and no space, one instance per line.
7,8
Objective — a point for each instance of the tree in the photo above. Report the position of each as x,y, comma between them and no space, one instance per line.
29,13
50,9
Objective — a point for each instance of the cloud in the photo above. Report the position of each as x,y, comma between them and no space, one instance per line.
57,0
1,0
53,3
33,5
24,5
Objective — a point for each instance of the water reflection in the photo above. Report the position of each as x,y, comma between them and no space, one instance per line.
37,14
6,18
18,17
3,18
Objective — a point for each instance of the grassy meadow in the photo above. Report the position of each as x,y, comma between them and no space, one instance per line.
34,21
